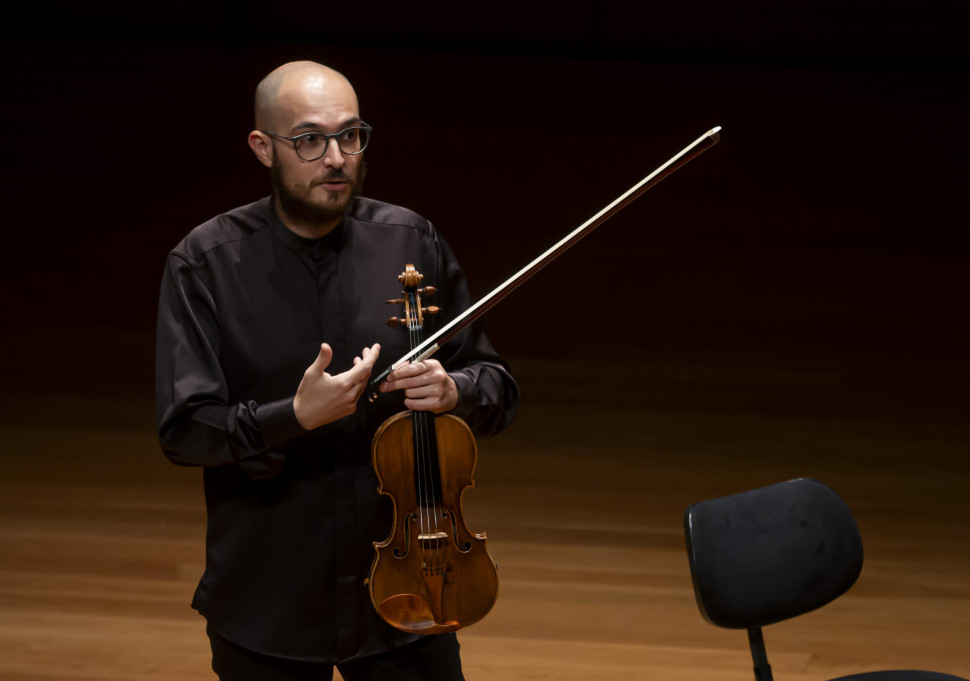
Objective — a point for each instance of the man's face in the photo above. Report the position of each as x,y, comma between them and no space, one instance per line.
316,199
315,192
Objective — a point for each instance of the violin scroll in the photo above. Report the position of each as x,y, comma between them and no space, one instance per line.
414,313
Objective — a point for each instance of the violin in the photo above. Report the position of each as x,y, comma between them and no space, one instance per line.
431,575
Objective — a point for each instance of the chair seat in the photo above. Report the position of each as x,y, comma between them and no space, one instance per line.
900,675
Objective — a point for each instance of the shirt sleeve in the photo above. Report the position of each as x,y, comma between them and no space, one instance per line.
197,425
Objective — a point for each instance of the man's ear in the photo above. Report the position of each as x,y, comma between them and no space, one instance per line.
261,146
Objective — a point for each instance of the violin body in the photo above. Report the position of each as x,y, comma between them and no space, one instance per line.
432,575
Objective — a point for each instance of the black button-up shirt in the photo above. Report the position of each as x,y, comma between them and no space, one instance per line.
292,515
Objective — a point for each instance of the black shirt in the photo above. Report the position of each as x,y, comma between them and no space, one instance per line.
292,515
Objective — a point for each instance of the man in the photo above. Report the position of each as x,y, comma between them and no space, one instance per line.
248,300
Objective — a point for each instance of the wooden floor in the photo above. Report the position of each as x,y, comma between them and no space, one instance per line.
101,540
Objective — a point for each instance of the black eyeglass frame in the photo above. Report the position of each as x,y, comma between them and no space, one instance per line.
334,136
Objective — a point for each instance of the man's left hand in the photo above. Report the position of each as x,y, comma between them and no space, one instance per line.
426,385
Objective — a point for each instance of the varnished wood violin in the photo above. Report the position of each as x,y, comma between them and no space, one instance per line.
432,575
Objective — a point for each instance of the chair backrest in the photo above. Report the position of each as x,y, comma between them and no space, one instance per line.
770,554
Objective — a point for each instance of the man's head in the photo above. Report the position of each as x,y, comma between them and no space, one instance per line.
296,98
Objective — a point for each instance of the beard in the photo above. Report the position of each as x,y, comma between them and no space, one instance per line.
301,207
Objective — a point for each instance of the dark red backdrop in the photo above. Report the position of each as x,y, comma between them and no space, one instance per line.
828,229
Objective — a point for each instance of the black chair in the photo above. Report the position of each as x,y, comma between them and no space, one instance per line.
774,553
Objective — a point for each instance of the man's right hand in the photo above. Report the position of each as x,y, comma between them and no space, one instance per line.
322,398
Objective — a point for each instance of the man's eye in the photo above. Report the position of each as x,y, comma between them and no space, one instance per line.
349,135
312,138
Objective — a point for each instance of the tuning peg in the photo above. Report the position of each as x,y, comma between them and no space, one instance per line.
395,301
394,322
428,291
431,309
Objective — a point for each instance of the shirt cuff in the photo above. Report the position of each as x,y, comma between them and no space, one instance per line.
277,422
467,394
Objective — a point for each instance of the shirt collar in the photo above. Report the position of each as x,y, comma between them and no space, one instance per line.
301,244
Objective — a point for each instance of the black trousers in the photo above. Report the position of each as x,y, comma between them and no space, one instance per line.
432,658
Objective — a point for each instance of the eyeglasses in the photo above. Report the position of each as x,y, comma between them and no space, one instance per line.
312,145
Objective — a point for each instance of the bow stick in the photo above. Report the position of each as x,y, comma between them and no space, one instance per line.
452,328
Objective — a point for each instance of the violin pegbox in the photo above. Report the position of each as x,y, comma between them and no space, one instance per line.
414,313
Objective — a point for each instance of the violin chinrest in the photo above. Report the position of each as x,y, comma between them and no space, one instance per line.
410,612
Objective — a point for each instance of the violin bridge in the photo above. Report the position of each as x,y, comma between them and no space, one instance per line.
434,541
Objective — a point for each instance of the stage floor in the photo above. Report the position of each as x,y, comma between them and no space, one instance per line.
101,539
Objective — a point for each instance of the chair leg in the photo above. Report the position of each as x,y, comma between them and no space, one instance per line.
762,670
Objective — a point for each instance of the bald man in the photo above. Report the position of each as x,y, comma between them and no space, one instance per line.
270,324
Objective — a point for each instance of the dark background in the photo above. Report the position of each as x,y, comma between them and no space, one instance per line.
825,237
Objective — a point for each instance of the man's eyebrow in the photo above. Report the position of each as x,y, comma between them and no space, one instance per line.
313,125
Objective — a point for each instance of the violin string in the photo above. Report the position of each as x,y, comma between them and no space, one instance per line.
434,479
426,420
429,501
417,428
437,491
420,462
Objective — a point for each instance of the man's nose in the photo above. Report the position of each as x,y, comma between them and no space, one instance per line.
333,157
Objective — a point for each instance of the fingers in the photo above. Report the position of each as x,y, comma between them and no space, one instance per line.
368,357
407,376
418,373
437,397
363,365
426,385
431,393
373,352
321,398
323,359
